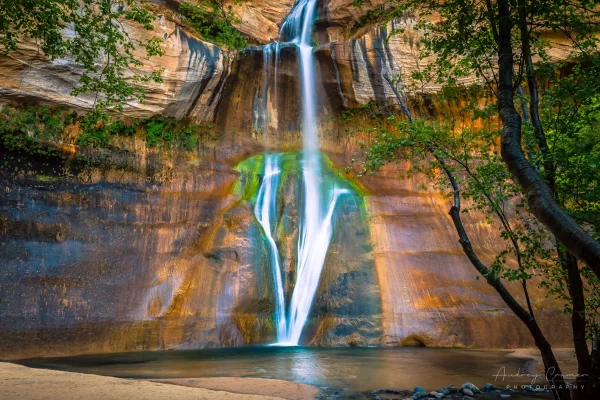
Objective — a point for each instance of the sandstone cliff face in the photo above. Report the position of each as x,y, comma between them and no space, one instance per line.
261,20
339,20
199,76
158,251
193,79
120,258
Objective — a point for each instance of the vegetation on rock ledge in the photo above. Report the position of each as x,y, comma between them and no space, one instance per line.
214,21
34,129
89,33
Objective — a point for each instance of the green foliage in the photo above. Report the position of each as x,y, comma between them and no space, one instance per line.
21,129
35,129
472,156
43,122
461,35
158,129
460,39
189,136
99,42
381,14
99,128
168,132
571,109
214,21
488,189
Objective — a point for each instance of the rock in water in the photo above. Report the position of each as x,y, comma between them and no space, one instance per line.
471,387
488,387
419,395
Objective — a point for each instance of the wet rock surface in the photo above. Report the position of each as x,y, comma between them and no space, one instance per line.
161,254
154,252
452,392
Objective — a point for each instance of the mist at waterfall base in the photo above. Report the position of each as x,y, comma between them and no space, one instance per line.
319,202
347,370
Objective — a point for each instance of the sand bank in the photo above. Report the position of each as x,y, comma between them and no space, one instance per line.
23,383
265,387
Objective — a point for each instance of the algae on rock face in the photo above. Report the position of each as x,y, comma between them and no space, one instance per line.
280,221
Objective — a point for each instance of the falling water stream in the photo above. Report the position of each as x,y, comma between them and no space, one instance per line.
265,214
318,202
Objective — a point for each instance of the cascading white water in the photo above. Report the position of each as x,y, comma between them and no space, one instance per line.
261,109
265,213
315,236
319,202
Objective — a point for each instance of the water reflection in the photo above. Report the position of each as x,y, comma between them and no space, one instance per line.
349,369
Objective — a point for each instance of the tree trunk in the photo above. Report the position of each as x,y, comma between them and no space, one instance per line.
578,322
539,196
551,367
534,99
595,377
568,260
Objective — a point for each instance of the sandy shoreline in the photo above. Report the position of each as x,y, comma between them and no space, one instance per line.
257,386
22,383
564,356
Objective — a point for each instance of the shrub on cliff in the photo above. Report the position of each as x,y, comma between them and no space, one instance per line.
37,129
89,33
214,21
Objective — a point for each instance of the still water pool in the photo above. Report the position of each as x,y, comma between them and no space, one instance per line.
346,369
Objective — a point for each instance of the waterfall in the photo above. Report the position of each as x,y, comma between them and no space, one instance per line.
265,213
316,215
261,107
